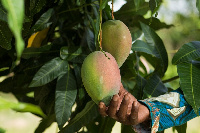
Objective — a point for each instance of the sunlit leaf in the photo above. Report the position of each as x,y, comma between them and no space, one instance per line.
66,91
49,72
189,51
89,113
158,48
189,82
21,107
154,87
15,11
4,68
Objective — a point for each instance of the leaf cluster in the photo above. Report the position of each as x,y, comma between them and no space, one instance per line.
52,71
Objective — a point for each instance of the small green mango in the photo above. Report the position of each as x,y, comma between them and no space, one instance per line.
101,76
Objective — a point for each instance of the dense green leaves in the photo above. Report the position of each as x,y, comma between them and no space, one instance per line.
5,36
21,107
49,72
154,87
84,117
66,92
189,82
158,48
15,11
73,29
188,52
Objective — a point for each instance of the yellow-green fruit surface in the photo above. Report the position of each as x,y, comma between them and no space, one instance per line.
100,76
117,40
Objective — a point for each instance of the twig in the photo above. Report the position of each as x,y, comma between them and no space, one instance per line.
112,11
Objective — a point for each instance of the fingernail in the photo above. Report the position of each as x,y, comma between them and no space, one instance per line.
126,98
115,98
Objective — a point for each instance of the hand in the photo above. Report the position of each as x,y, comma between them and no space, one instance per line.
125,108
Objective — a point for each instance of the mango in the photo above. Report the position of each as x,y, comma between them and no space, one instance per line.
117,40
101,76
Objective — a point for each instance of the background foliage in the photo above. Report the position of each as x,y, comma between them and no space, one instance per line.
44,42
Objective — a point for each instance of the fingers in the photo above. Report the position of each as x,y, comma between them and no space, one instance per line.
133,118
102,109
112,110
122,113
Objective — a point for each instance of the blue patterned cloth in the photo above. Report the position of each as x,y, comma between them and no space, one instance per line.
166,111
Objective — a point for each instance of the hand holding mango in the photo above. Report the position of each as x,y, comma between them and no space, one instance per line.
102,80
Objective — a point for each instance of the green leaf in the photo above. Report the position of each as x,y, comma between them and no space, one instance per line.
153,5
4,68
3,13
72,54
36,6
103,4
89,113
140,84
127,129
43,21
90,39
154,87
21,107
189,51
2,130
5,36
181,128
189,82
129,9
49,72
141,46
34,52
106,125
15,11
128,67
66,91
137,4
198,5
45,123
158,47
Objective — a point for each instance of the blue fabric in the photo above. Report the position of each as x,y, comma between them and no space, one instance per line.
160,111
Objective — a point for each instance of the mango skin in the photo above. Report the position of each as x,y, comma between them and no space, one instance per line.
101,76
117,40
